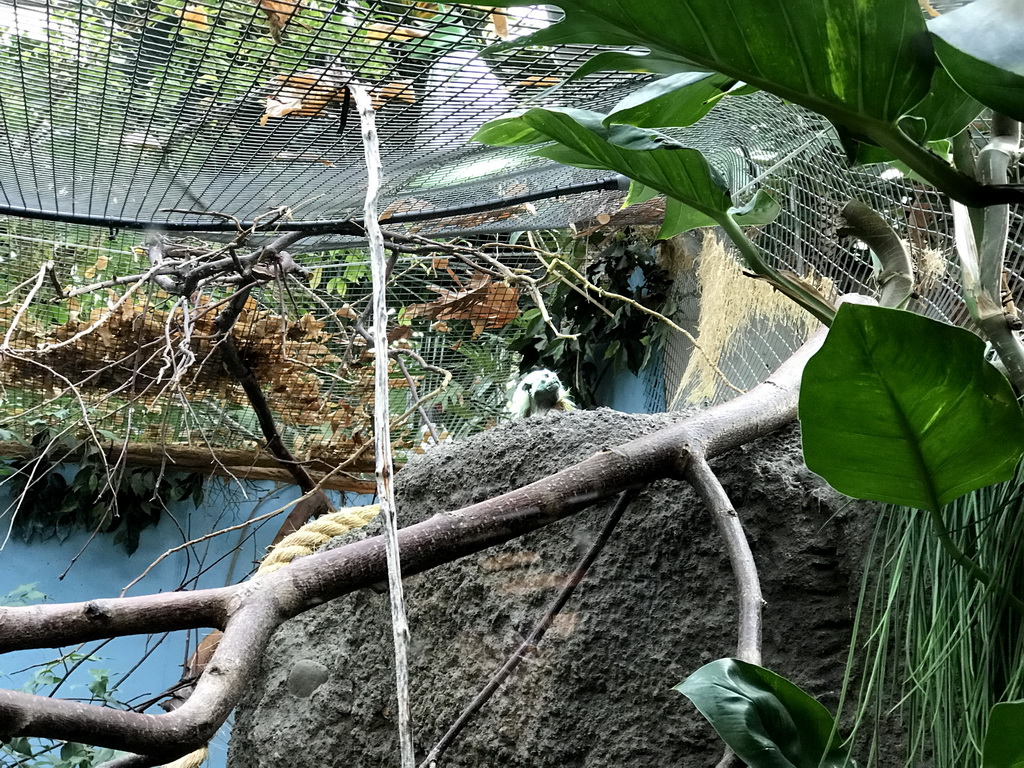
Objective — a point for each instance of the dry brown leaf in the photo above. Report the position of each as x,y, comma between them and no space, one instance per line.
405,205
279,13
426,10
500,23
195,16
484,303
305,94
99,266
381,31
439,262
298,157
469,221
538,81
399,90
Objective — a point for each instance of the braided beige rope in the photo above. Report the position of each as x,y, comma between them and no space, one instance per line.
314,534
303,542
191,760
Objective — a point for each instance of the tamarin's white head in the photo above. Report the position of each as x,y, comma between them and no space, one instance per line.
537,393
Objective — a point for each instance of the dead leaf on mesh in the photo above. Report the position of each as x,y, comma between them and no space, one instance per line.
399,90
382,31
538,81
484,303
298,157
279,13
405,205
426,10
195,16
469,221
305,94
500,23
99,266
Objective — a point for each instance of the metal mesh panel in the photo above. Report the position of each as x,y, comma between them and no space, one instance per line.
759,142
124,113
178,115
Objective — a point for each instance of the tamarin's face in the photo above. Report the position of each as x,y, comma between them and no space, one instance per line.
543,388
538,392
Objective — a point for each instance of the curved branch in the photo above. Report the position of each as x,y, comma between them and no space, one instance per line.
896,280
748,585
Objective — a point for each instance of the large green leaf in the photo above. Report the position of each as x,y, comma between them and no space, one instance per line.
762,209
858,63
582,140
632,61
899,408
943,113
676,100
981,45
766,720
1004,738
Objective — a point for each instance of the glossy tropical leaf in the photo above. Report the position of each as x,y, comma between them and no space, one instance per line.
761,210
630,61
899,408
854,62
766,720
676,100
943,113
646,157
1004,738
981,45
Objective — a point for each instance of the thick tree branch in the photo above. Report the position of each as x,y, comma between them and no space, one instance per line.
254,609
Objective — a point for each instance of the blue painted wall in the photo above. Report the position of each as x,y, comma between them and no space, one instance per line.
103,570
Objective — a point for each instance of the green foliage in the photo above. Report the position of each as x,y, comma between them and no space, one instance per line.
676,100
123,502
980,45
1004,739
900,408
25,594
859,64
765,719
939,647
30,753
585,141
623,337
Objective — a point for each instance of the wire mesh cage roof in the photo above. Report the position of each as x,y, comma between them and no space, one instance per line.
172,115
167,113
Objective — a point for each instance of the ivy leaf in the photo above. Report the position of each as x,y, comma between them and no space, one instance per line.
902,409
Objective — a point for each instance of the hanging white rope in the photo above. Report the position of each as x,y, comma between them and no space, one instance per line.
382,420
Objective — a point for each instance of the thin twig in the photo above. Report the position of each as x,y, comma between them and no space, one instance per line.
533,639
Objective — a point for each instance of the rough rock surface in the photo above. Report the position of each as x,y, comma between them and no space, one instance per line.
657,604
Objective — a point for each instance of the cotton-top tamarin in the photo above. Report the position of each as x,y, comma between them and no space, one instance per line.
537,393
